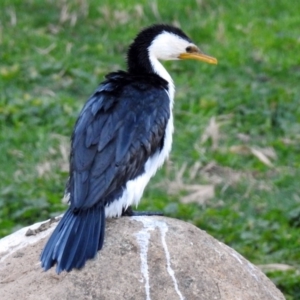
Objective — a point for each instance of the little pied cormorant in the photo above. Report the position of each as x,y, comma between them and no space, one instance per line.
122,136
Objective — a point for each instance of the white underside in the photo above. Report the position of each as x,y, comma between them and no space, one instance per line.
134,188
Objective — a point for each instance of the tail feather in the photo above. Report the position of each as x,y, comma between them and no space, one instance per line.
76,238
94,232
47,256
102,231
72,246
85,243
90,243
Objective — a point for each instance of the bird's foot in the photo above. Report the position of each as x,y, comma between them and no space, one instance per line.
129,212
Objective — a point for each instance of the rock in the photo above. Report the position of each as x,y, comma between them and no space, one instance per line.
142,258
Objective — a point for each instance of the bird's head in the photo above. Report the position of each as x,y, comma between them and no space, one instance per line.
171,43
165,42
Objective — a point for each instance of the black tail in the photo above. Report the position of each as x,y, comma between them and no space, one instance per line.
77,238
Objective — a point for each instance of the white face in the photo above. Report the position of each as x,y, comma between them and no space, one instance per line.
168,46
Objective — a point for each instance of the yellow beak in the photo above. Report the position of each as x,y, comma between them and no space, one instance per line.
198,56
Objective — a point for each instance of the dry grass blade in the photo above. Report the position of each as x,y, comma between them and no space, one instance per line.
211,131
240,149
139,10
201,194
58,157
44,168
275,267
194,170
121,16
261,156
197,193
155,11
243,137
13,17
46,50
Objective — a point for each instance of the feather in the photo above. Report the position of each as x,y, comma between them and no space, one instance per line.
77,238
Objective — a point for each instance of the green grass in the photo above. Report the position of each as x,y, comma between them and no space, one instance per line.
54,53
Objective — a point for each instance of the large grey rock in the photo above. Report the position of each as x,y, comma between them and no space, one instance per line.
142,258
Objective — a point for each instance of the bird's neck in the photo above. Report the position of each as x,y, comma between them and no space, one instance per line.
160,70
143,63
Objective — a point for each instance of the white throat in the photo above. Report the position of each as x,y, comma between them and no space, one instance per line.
166,46
160,70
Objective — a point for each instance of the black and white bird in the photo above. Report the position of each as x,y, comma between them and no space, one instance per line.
122,136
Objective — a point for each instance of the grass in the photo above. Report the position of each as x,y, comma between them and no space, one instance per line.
237,124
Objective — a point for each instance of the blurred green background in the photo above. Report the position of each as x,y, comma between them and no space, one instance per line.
234,167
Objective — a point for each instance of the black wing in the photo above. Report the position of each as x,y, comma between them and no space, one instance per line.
119,128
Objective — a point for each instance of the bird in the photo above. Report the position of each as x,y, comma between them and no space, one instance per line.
122,136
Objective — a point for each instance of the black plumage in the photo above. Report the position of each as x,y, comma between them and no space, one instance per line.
117,131
122,136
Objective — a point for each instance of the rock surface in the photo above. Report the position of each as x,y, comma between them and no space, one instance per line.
143,258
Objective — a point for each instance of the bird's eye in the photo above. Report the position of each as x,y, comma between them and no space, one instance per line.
189,49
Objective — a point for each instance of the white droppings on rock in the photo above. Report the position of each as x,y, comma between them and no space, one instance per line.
249,266
143,237
206,270
239,258
236,256
163,229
